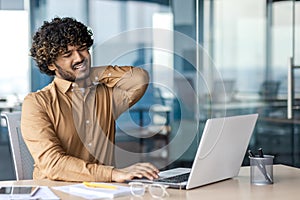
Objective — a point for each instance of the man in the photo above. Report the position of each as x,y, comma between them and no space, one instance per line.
69,125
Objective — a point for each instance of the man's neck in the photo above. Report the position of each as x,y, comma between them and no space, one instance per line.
83,83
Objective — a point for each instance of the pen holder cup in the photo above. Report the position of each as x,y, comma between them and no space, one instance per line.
261,170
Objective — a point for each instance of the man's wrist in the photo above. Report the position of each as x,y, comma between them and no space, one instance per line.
114,174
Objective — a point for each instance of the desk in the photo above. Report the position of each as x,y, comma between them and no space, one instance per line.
6,106
280,120
286,186
158,109
221,109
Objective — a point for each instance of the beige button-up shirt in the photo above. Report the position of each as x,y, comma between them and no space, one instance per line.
70,131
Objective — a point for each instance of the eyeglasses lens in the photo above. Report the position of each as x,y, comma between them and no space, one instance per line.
157,191
137,189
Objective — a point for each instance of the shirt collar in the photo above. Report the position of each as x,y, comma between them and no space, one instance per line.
64,85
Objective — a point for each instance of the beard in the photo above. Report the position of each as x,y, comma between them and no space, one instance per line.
71,75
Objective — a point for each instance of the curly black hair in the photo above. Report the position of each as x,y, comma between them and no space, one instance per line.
53,38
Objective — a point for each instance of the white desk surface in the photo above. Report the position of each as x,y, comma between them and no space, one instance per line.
286,186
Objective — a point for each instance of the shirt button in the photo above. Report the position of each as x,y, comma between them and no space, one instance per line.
96,78
87,121
109,74
74,84
90,144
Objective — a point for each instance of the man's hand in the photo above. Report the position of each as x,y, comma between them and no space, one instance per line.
138,170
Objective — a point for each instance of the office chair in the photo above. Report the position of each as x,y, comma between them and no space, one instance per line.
23,161
269,90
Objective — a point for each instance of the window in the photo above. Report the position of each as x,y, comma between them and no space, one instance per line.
14,74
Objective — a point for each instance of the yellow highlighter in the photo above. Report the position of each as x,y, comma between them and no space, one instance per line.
100,185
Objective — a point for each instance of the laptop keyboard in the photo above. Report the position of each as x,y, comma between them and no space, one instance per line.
174,179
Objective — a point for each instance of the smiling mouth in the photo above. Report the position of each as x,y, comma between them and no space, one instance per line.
80,66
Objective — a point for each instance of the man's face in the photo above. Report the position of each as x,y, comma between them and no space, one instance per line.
73,65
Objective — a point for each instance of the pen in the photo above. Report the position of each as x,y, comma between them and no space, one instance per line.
100,185
260,153
250,153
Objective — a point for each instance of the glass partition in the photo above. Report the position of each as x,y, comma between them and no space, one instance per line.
206,58
250,43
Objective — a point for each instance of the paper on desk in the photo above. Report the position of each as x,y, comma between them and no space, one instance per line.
94,193
45,193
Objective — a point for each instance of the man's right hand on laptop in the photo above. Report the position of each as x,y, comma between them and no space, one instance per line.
138,170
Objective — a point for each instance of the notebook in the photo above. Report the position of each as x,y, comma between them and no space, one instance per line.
219,155
86,192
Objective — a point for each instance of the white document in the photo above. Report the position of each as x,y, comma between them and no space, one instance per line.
44,193
94,193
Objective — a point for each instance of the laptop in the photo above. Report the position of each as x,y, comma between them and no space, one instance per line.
219,155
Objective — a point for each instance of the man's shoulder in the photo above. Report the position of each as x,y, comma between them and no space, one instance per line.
41,93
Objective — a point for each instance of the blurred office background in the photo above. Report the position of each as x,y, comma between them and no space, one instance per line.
206,58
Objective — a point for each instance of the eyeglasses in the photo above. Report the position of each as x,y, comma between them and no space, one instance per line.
156,190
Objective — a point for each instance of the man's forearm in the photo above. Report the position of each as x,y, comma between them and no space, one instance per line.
112,75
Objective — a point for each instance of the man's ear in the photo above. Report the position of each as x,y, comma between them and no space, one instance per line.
52,67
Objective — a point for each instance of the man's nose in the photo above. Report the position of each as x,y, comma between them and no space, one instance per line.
77,56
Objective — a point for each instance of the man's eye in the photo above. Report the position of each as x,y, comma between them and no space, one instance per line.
83,48
66,55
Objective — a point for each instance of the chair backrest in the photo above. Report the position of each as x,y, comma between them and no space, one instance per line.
269,90
23,161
